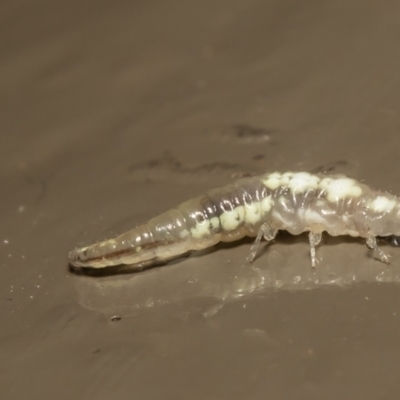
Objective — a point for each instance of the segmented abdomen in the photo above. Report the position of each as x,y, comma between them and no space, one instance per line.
225,214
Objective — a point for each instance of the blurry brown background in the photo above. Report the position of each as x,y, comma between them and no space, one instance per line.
114,111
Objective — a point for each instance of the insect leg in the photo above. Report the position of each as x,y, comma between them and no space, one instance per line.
265,231
372,244
315,240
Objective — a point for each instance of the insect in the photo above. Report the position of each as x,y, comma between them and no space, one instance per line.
257,207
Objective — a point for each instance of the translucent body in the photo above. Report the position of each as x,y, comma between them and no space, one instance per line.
257,206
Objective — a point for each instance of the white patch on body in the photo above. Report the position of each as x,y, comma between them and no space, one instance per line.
324,183
298,182
338,189
279,218
303,181
230,220
382,204
184,233
273,181
312,217
286,177
253,213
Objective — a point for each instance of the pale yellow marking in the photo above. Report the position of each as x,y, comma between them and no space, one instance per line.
231,219
286,177
200,230
252,213
273,181
341,188
275,175
266,205
302,182
297,182
214,221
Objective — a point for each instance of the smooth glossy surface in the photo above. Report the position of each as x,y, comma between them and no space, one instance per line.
114,111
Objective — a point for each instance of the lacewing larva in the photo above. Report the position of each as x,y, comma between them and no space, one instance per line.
257,207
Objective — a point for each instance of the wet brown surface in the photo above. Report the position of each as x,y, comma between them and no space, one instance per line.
112,112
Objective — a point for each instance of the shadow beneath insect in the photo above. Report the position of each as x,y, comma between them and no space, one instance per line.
113,270
128,269
283,238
